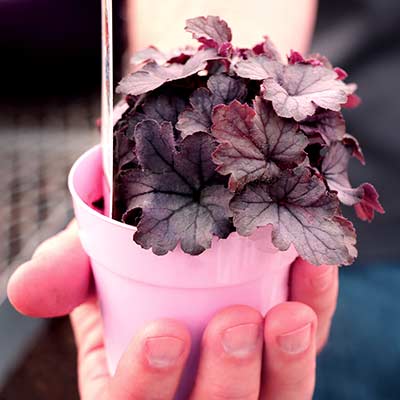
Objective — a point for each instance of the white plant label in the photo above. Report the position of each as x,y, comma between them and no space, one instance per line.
107,102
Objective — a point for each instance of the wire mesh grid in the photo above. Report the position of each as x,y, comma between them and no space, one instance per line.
38,145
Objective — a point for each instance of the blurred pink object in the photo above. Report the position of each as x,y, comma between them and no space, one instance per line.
135,286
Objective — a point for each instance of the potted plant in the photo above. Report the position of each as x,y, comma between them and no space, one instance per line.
228,164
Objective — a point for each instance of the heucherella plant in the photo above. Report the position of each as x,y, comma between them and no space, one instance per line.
222,139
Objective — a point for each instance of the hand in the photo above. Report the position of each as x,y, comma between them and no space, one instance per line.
244,356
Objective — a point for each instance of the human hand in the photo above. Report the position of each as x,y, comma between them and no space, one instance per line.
244,355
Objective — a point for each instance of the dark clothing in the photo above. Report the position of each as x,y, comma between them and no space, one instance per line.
362,358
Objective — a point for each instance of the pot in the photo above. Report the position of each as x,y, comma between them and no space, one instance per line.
134,286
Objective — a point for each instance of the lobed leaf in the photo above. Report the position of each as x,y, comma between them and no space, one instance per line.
327,126
296,90
152,75
352,143
176,192
150,53
268,49
259,68
302,213
124,151
334,169
296,58
211,31
218,138
221,89
254,143
163,107
366,208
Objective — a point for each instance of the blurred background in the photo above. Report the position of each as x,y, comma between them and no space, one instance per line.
49,102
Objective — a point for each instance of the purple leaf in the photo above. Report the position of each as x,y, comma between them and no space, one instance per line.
147,54
217,138
152,75
225,89
124,145
303,88
155,145
259,68
222,89
159,108
198,118
268,49
296,58
301,212
131,119
365,210
226,50
322,59
151,53
327,125
211,31
316,60
163,107
352,143
176,191
254,143
124,151
334,169
296,90
350,236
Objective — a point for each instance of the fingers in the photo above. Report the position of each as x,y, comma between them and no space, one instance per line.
290,352
318,288
55,281
152,366
230,365
92,367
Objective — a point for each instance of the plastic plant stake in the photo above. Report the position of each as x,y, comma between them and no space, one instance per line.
107,100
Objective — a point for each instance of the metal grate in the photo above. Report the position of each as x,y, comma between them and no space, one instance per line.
38,145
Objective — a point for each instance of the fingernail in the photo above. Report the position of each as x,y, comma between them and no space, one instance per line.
163,351
241,341
297,341
323,280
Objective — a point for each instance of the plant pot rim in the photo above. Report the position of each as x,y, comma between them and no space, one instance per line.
75,195
109,243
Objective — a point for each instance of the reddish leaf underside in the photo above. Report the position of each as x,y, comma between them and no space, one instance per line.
334,168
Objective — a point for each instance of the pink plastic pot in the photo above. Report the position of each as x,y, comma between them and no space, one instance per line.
135,286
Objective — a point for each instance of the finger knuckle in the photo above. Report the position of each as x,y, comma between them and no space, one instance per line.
298,377
222,392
